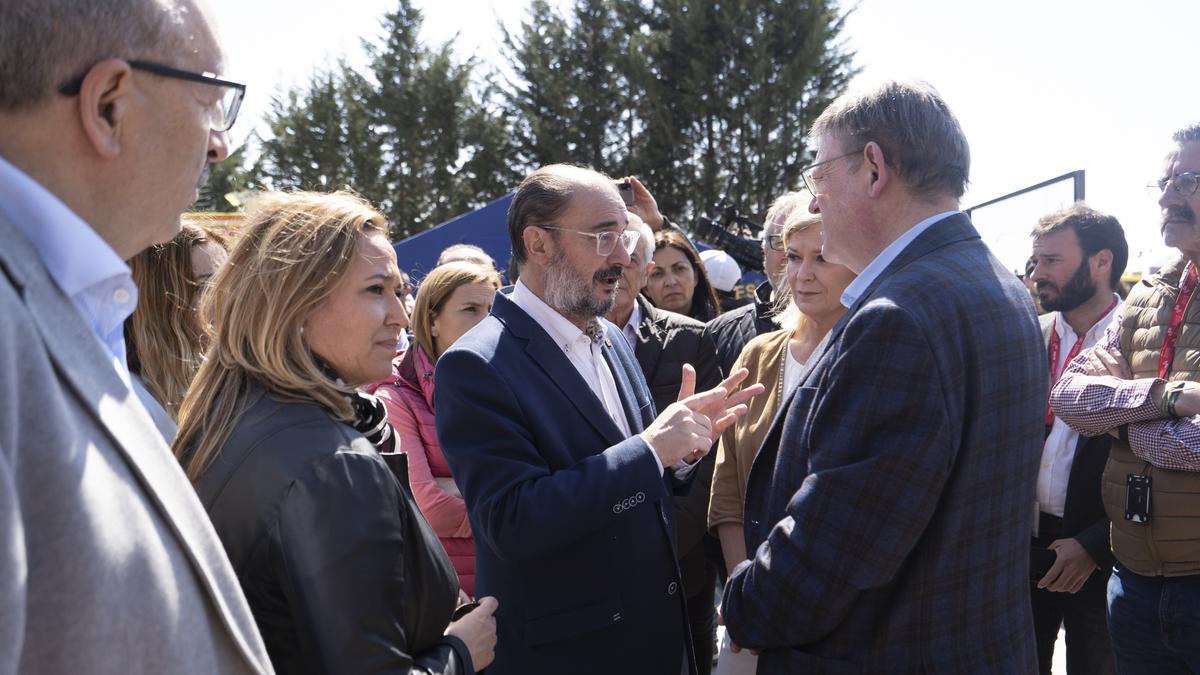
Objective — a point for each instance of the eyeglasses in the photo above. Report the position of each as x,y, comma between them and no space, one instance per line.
606,242
1184,183
223,115
807,173
775,242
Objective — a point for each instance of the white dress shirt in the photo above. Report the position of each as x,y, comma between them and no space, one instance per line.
1058,453
864,280
631,326
82,264
580,350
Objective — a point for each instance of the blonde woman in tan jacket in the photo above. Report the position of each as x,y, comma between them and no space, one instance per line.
776,359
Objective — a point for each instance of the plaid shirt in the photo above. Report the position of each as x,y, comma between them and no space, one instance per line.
1097,404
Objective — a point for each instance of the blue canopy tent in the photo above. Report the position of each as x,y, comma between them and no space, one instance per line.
486,227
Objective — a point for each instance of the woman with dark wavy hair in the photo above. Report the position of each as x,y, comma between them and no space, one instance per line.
679,282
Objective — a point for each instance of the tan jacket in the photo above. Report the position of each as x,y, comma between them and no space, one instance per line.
764,358
1169,544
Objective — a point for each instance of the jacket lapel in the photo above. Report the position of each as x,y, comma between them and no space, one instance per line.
558,368
83,364
650,338
625,388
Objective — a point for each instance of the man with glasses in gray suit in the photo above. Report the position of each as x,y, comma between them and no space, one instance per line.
109,118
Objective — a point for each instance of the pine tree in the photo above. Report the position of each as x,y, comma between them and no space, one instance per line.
440,139
315,137
751,75
691,95
412,135
570,98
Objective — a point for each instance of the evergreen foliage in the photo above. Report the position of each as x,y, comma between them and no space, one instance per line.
225,178
692,96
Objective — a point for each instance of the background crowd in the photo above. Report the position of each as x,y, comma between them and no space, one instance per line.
274,450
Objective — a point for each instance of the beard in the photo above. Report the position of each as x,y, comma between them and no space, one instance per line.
1078,290
571,294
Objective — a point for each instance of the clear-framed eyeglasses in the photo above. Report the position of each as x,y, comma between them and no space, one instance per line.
606,242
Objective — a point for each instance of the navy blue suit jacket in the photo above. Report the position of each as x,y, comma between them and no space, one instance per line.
572,521
889,510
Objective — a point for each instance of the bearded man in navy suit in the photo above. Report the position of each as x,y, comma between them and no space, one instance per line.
549,429
890,508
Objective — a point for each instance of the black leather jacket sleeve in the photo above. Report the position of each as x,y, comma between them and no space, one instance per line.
343,544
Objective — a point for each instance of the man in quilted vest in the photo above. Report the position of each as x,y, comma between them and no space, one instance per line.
1140,386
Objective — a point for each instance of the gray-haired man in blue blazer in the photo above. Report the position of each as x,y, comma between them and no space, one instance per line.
890,507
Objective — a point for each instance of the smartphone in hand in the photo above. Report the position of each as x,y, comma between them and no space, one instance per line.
626,190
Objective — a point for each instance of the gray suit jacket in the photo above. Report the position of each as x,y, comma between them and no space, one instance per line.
108,562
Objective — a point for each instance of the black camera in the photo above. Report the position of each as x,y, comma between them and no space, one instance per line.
733,233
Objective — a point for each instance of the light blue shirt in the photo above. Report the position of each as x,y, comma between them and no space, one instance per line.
872,271
83,265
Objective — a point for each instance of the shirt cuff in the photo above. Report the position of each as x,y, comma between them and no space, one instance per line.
654,454
1135,394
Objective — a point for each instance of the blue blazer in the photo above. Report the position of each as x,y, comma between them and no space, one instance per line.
889,510
572,521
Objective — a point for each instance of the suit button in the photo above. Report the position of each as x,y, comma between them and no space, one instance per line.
640,497
672,588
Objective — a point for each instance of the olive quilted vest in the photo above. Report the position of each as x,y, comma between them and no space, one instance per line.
1169,544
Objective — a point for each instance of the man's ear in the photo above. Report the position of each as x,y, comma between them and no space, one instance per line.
1102,261
877,169
104,104
536,242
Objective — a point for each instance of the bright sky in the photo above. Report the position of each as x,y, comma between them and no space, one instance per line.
1041,87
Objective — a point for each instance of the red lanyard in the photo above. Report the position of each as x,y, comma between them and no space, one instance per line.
1056,347
1186,287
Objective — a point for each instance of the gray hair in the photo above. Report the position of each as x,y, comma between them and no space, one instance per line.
781,208
645,245
1188,134
44,43
920,138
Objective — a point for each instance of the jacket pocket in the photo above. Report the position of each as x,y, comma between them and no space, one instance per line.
556,627
804,398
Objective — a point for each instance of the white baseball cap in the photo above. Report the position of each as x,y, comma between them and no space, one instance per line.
723,270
